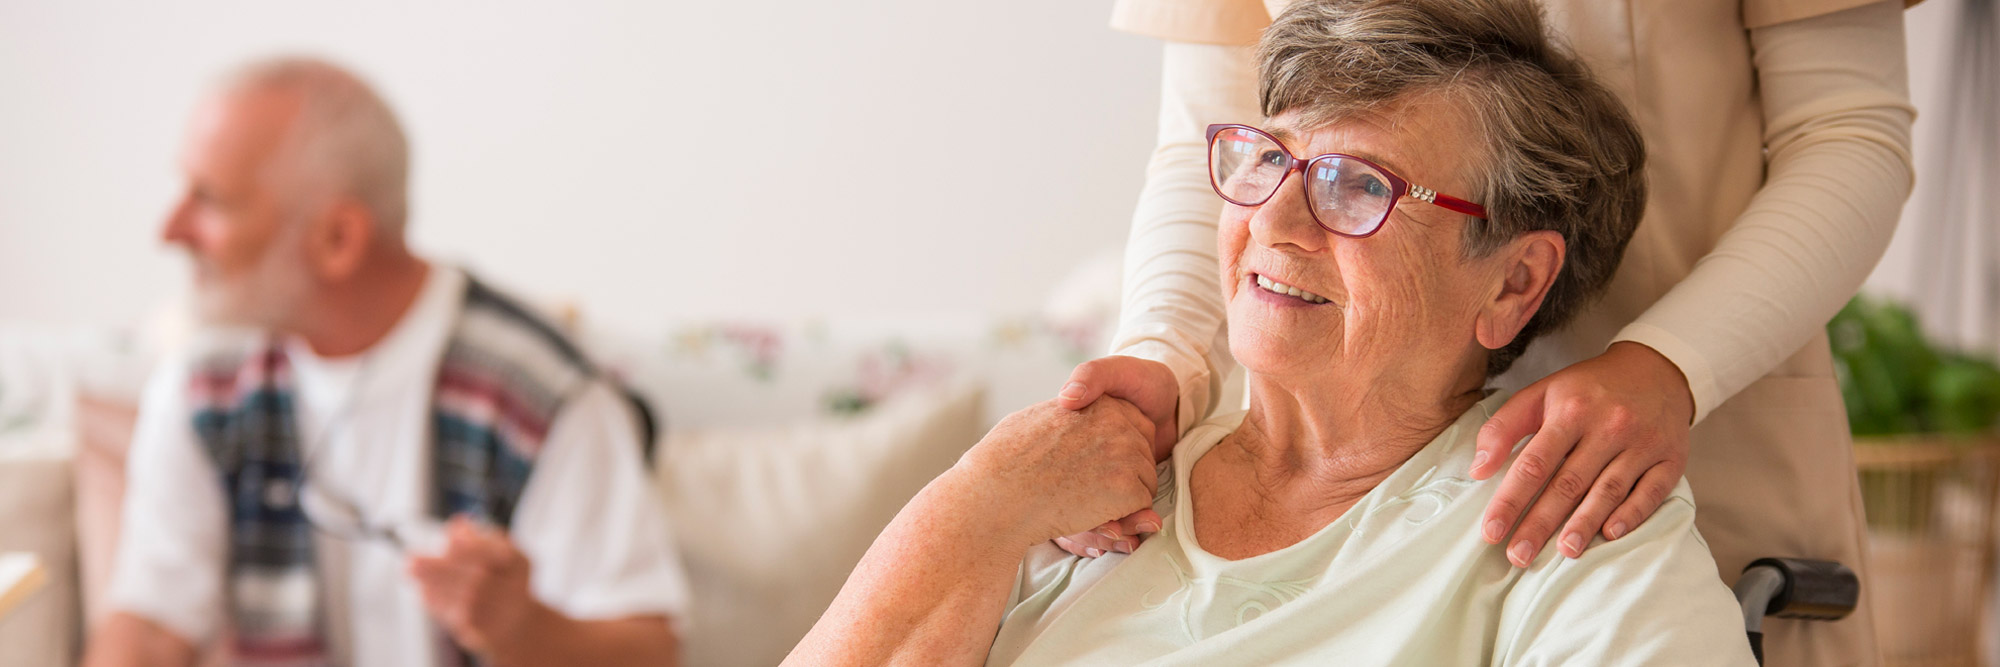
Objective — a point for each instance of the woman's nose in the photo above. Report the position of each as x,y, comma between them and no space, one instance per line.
1287,219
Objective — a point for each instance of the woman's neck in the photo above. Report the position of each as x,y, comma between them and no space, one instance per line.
1301,459
1343,434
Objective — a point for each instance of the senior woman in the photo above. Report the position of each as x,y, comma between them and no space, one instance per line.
1780,136
1371,300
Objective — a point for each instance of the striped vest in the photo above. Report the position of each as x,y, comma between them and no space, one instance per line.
504,376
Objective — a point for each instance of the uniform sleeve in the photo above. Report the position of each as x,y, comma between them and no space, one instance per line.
173,540
1650,598
1172,303
1766,13
1222,22
1837,133
590,523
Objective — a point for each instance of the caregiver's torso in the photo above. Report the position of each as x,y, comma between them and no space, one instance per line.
1684,69
1401,578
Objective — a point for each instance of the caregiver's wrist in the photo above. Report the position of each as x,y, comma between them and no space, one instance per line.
1666,376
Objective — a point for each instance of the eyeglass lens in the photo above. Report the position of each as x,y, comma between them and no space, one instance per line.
1347,196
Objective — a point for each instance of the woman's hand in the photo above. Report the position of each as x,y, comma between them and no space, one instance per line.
1061,471
1149,386
1611,430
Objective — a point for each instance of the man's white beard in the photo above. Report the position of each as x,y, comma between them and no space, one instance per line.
267,298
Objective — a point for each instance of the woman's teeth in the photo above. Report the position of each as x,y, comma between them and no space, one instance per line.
1282,288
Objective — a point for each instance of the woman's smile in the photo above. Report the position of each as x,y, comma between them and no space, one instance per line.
1278,292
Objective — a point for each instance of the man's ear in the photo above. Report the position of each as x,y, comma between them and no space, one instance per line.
1528,267
340,240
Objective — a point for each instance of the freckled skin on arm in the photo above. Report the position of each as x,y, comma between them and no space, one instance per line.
933,587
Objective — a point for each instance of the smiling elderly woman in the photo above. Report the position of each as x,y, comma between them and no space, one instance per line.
1370,300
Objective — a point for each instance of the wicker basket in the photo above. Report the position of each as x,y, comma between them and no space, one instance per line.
1931,503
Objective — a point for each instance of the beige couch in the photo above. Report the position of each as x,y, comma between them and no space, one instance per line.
786,449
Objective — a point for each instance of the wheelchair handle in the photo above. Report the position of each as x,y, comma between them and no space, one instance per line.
1794,588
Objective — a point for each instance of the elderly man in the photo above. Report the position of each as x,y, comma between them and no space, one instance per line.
404,467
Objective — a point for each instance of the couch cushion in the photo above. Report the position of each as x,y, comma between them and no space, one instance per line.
771,520
36,509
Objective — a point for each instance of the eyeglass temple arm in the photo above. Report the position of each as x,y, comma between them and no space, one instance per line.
1447,201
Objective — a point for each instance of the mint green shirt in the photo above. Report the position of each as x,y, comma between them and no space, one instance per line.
1402,578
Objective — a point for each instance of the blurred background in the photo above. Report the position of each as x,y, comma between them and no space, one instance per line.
648,161
780,217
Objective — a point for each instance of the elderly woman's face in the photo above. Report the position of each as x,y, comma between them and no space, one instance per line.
1404,299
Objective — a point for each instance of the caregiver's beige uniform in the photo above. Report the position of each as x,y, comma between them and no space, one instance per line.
1731,275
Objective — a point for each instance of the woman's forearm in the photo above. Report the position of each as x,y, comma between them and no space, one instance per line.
1172,306
931,590
1837,125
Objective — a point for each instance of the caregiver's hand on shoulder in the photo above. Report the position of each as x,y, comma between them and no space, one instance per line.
1150,386
1610,431
1059,471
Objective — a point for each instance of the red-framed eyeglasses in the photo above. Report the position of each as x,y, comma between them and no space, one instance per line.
1348,195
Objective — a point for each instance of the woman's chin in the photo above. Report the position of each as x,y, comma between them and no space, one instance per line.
1278,349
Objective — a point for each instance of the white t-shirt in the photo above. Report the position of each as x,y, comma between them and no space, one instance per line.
588,519
1402,578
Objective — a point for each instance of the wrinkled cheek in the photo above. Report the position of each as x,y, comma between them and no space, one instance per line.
1384,316
1232,236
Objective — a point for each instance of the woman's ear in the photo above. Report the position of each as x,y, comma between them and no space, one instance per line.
1528,267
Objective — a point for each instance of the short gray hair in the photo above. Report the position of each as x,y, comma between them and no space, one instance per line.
345,139
1559,152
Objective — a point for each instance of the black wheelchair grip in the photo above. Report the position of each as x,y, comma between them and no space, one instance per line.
1814,589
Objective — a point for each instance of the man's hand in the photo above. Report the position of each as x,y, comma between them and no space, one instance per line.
1611,431
477,589
124,639
1149,386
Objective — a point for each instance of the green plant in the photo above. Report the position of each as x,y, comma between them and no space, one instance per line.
1894,382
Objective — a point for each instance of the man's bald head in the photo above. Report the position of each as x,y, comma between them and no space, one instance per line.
297,181
339,138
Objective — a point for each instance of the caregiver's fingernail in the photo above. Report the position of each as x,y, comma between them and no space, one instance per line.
1494,530
1148,527
1617,529
1109,534
1479,460
1123,546
1094,552
1573,544
1522,553
1072,391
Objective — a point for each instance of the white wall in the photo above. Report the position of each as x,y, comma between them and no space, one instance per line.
1945,259
649,160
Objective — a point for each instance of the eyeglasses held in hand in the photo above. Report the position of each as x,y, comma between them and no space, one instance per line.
336,515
